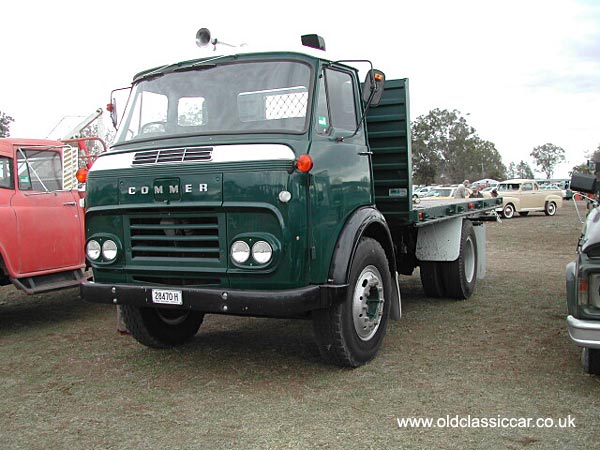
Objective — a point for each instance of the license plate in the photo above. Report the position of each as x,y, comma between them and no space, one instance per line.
167,297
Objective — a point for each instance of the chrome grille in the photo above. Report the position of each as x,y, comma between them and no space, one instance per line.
173,155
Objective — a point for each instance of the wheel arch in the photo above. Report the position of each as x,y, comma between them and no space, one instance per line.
364,222
4,273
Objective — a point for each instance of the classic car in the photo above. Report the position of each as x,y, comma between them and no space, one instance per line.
524,196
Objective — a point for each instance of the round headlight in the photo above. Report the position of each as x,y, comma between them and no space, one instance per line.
92,250
109,250
240,252
262,252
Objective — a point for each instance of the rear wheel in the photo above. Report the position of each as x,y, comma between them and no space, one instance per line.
460,276
550,208
590,360
161,327
432,279
350,333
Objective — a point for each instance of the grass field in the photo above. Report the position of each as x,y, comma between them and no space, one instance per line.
68,380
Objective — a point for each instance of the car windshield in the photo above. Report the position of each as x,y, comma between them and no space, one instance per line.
247,97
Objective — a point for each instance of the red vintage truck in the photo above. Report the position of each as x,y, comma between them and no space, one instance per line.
41,212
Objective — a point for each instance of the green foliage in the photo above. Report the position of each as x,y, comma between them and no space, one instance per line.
547,157
584,167
5,121
523,170
445,148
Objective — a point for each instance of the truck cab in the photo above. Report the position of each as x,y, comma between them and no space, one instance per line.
42,220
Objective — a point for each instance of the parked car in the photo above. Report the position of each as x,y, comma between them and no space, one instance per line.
422,191
440,193
583,283
524,196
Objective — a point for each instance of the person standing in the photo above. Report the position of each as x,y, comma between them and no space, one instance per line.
461,191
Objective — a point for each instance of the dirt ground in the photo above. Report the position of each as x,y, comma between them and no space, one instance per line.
68,380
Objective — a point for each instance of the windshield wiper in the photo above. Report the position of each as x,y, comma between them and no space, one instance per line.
196,66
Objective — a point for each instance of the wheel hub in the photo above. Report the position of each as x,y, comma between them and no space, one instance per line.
368,302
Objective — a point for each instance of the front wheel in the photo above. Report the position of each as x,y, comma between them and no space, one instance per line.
161,327
550,209
590,360
509,211
350,333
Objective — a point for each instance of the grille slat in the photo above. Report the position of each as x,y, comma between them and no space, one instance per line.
173,155
142,248
175,238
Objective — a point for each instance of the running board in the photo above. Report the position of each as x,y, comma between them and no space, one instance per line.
50,282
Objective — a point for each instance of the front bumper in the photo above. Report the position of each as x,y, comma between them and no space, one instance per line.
282,303
584,333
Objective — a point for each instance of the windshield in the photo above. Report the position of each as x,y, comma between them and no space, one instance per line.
249,97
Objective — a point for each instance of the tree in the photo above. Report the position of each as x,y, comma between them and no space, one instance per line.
522,170
592,157
447,149
511,172
547,157
5,121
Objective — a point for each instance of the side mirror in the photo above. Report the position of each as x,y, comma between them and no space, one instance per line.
112,109
373,87
583,183
122,94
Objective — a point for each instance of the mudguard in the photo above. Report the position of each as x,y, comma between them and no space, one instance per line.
366,221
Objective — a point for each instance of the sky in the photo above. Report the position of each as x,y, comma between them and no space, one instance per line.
523,72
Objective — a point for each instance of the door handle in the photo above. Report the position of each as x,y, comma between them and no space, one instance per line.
70,204
365,153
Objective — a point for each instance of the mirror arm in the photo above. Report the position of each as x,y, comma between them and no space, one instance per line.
363,115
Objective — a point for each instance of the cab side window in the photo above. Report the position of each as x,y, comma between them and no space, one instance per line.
6,173
39,170
322,122
340,92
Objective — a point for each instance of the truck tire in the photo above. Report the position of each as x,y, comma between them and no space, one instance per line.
550,208
350,333
460,276
509,211
161,327
432,279
590,360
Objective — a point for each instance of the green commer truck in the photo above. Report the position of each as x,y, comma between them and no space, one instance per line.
269,185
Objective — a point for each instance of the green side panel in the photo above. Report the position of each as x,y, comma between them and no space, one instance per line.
389,139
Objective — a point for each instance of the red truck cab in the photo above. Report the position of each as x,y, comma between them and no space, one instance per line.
42,216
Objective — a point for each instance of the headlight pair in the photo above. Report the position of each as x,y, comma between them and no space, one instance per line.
261,252
108,250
